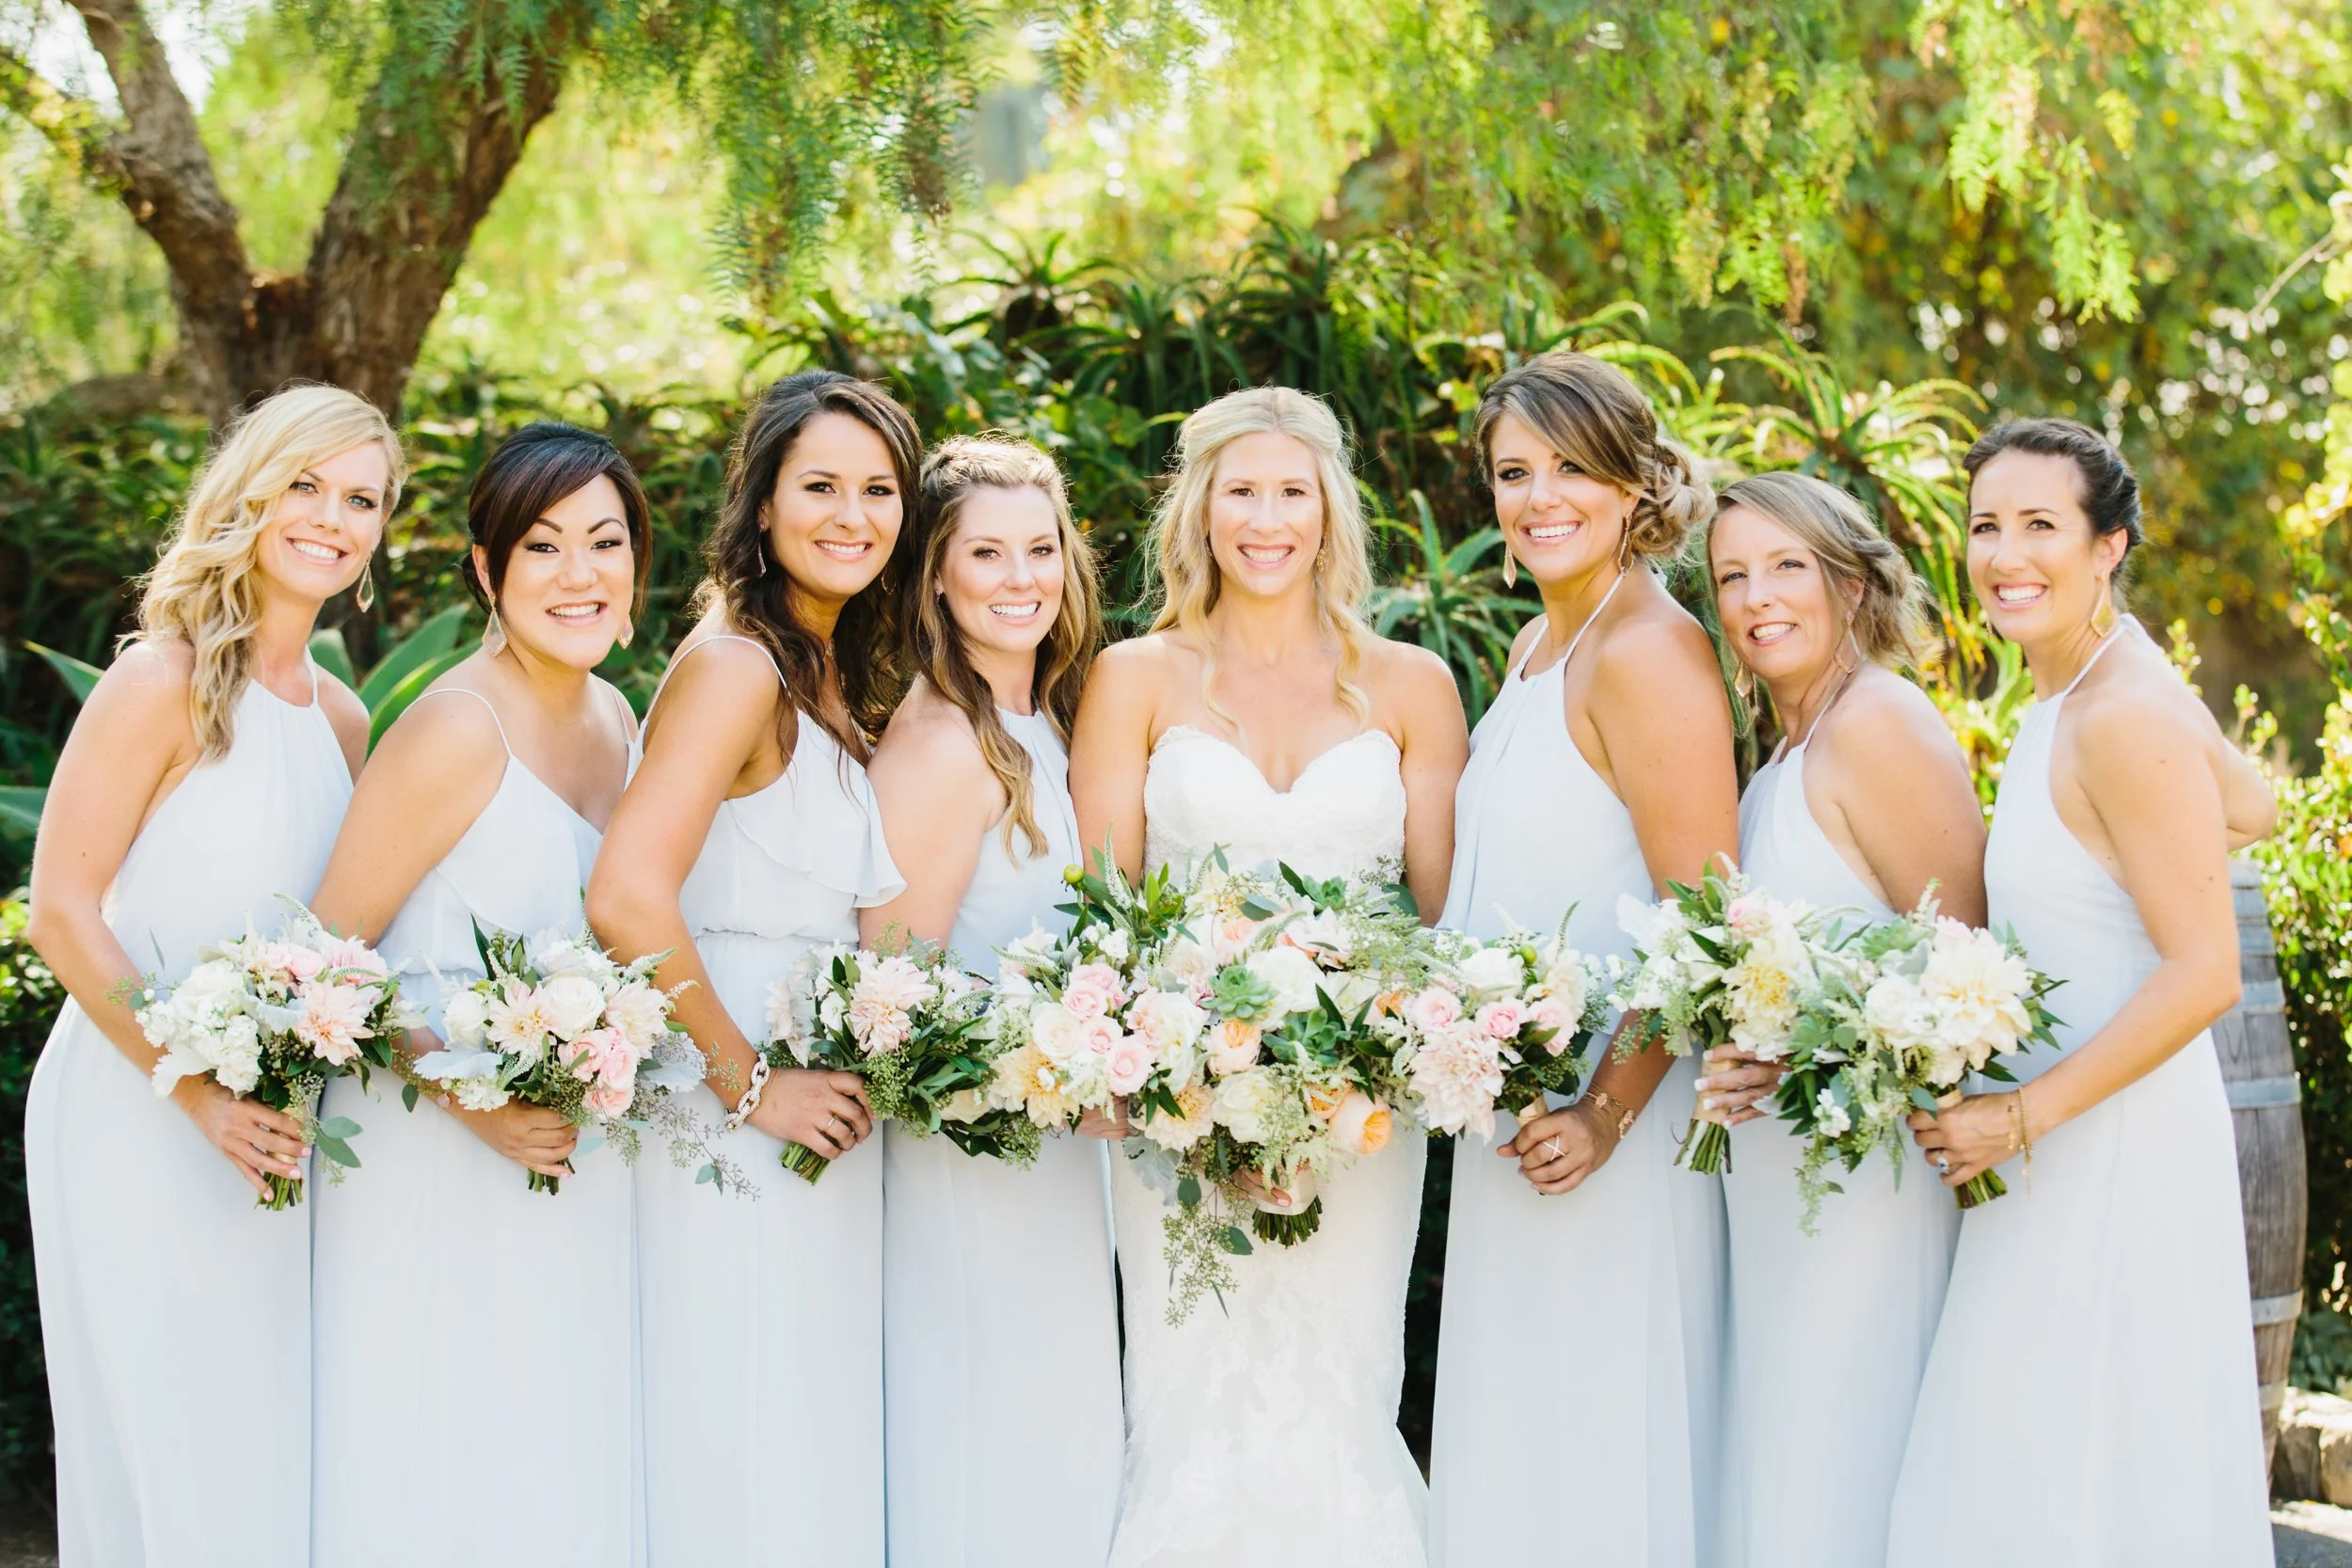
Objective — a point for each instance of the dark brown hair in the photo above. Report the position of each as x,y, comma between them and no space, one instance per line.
531,471
932,646
1590,412
754,589
2111,496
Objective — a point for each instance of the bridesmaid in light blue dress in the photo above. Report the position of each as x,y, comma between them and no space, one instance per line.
473,1339
749,838
2093,1372
1603,769
982,1262
203,782
1866,805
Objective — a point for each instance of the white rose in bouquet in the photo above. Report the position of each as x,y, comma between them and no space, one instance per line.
1058,1034
1243,1101
574,1004
1490,972
467,1019
1292,975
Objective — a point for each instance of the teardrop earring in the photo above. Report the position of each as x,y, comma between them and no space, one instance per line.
1625,545
365,597
2103,619
763,552
1510,567
493,635
628,632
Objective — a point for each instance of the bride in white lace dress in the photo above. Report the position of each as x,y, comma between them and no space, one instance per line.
1261,715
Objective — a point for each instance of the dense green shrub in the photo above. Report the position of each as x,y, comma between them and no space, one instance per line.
29,999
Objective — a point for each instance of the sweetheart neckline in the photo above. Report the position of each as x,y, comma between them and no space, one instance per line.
1252,762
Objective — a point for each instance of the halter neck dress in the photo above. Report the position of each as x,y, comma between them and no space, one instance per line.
2090,1395
474,1396
762,1319
168,1298
1812,1442
982,1263
1613,1428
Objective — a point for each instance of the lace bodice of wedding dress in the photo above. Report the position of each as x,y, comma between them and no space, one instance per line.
1263,1432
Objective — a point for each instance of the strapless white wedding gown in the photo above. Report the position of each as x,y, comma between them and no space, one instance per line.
1265,1433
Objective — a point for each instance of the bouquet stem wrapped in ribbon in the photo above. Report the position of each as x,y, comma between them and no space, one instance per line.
276,1019
556,1023
910,1022
1720,964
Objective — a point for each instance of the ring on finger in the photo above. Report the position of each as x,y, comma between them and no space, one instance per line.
1551,1145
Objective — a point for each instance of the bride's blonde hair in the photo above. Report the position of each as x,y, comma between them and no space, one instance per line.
1189,581
202,590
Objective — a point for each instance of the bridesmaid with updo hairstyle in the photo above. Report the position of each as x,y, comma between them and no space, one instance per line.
1602,771
452,1300
204,781
1865,806
2095,1346
749,838
982,1261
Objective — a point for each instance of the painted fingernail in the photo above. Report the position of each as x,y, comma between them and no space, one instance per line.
1708,1104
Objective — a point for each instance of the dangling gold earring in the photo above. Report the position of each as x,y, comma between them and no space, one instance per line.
1855,643
365,597
493,635
763,552
1743,681
628,632
2104,618
1510,567
1624,546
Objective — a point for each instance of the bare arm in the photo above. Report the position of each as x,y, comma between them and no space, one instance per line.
437,769
2146,772
1901,786
716,711
1111,749
131,746
1435,739
1658,704
939,802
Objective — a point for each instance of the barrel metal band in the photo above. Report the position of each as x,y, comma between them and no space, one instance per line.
2270,1310
2258,1094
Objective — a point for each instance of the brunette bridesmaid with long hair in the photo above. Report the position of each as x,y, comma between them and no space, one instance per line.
749,837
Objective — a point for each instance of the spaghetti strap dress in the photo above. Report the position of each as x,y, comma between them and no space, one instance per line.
1812,1441
2090,1395
982,1263
1607,1419
175,1314
761,1320
475,1386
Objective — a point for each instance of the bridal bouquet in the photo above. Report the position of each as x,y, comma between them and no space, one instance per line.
1502,1023
911,1025
276,1019
1907,1010
1718,965
556,1023
1267,1017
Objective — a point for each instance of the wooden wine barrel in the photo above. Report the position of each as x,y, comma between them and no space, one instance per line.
2265,1102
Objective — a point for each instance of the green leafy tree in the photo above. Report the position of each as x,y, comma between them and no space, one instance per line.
811,104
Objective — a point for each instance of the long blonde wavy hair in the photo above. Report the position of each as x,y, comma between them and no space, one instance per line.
202,590
1189,581
933,647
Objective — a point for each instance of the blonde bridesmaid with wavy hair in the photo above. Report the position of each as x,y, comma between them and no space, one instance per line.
1602,771
1865,806
981,1261
1262,716
206,777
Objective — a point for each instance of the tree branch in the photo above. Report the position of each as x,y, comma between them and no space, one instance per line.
163,173
72,125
